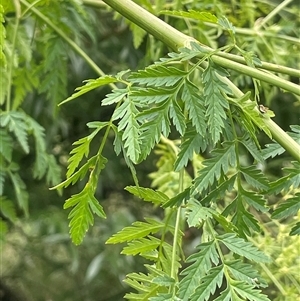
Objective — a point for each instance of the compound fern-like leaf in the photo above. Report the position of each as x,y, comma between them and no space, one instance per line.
220,162
201,263
243,248
194,105
157,76
81,216
209,284
137,230
215,102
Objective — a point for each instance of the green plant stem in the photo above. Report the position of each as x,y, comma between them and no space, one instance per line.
258,74
273,13
76,48
153,25
11,59
233,57
264,65
176,39
262,33
288,143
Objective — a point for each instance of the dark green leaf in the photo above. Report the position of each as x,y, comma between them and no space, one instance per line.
243,248
157,76
194,104
245,272
296,229
137,230
147,194
192,143
215,102
202,262
91,84
289,207
209,284
221,161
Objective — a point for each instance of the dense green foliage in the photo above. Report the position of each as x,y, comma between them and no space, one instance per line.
225,173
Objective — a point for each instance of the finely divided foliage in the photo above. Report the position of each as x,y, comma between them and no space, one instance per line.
184,106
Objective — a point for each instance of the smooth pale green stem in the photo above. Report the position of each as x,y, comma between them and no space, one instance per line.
11,59
264,65
92,64
229,56
258,74
273,13
150,23
283,138
175,39
278,134
259,33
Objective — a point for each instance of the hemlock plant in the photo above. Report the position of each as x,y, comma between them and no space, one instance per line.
188,106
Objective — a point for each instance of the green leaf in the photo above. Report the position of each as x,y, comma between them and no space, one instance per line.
296,229
53,70
202,262
137,230
157,76
17,123
6,145
209,284
250,115
255,177
141,245
138,34
196,213
144,285
41,164
248,292
148,195
244,220
155,122
192,143
130,128
178,199
2,180
20,191
164,280
251,146
253,199
80,174
82,147
243,248
194,104
289,207
215,102
272,150
81,216
3,229
219,192
245,272
192,14
53,176
114,97
146,96
7,209
225,24
226,296
220,162
91,84
177,116
164,297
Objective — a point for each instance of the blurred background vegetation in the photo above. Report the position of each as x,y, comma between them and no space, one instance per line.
38,261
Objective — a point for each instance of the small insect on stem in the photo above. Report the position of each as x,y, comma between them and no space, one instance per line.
263,109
